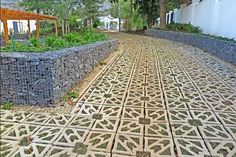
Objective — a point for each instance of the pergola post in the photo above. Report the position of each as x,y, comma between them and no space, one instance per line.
5,31
56,31
37,29
29,29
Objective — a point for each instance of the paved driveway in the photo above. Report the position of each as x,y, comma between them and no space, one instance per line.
158,98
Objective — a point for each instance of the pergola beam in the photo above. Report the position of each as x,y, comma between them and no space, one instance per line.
7,14
5,30
29,30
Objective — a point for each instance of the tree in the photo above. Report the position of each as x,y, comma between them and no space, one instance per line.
163,14
91,10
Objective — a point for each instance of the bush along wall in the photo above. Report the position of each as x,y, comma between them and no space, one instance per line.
43,78
222,49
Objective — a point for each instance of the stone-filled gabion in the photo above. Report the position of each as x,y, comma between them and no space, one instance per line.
43,78
222,49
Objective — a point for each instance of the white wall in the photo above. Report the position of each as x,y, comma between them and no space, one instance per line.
216,17
24,23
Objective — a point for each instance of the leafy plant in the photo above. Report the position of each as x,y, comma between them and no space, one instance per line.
70,95
35,42
54,42
7,106
72,37
184,28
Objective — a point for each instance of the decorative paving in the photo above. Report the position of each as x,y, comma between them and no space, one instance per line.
156,99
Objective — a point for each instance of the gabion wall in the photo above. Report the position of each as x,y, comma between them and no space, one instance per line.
43,78
222,49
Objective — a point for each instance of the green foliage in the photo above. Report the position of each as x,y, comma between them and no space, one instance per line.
183,28
72,37
54,42
72,95
35,42
96,22
7,106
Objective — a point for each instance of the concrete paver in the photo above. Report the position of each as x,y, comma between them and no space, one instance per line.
158,98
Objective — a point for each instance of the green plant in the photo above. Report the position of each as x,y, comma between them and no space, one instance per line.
72,37
72,95
7,106
54,42
35,42
184,27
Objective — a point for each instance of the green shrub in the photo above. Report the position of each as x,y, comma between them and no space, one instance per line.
183,28
54,42
72,37
35,42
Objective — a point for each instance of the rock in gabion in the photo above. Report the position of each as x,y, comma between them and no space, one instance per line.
43,78
222,49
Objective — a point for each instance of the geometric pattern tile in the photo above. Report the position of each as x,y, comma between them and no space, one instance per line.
132,113
157,130
34,149
162,147
227,118
59,120
5,127
111,111
191,147
37,118
185,130
156,115
127,144
20,131
210,131
205,116
47,134
88,109
179,115
130,127
8,147
56,151
105,124
99,141
15,117
83,122
222,148
232,131
71,136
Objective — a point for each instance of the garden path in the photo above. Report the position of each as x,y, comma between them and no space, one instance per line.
157,98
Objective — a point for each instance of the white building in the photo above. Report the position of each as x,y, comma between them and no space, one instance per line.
17,26
215,17
109,23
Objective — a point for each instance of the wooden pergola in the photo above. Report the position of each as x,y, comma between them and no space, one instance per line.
8,14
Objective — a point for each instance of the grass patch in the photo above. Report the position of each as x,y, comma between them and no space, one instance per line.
7,106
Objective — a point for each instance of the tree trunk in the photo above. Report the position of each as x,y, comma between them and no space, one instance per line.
66,27
91,23
62,27
162,14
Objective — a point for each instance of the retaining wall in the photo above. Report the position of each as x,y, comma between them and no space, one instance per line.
43,78
222,49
